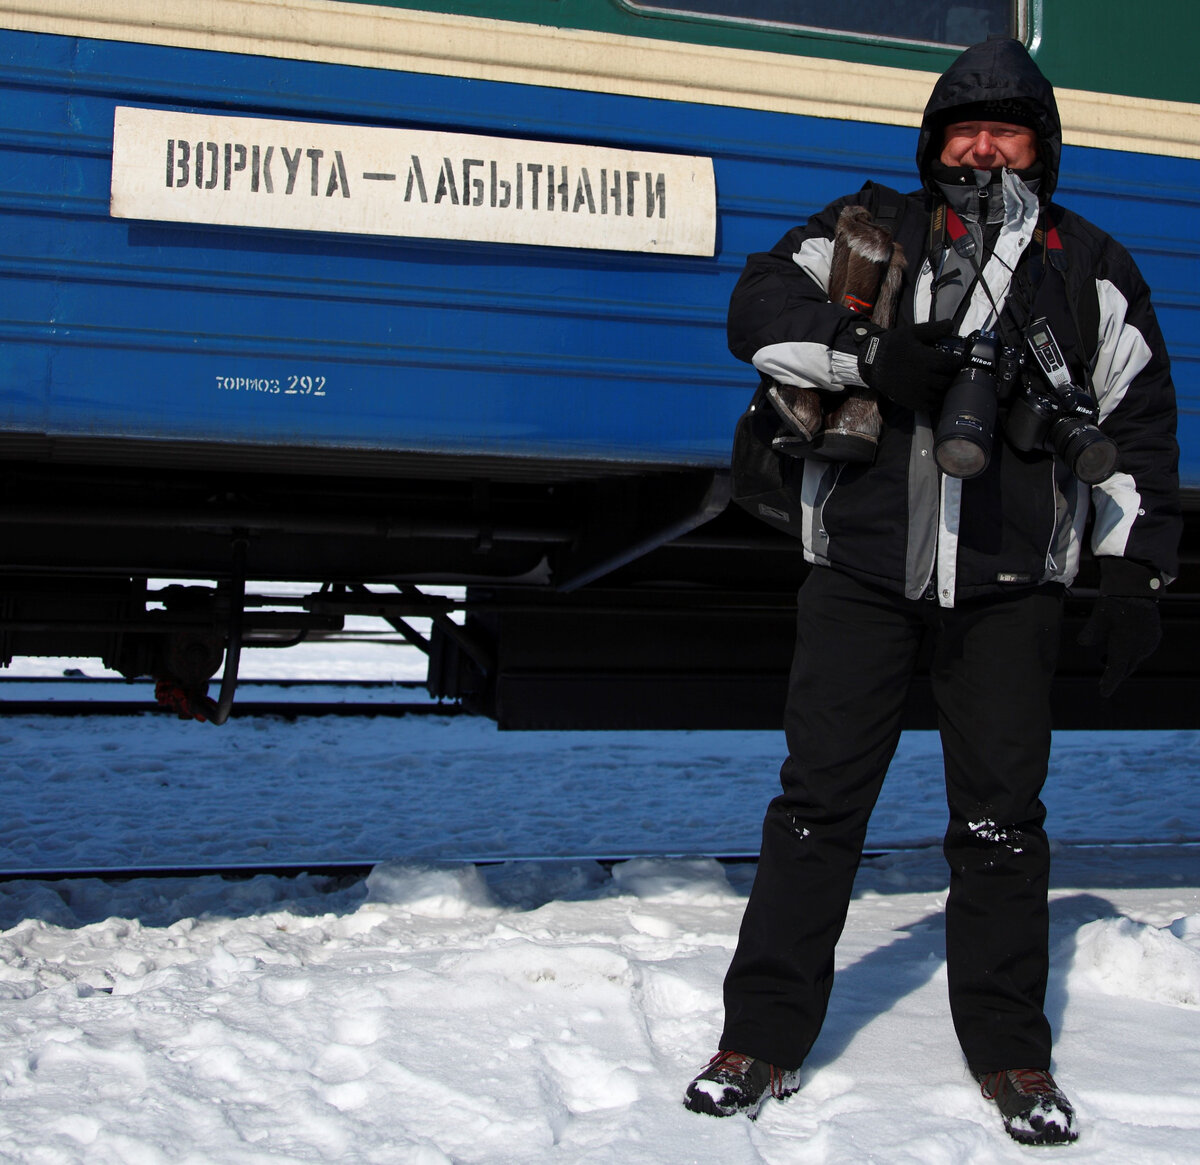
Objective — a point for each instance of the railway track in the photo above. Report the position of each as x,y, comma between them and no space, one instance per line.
340,873
109,696
347,872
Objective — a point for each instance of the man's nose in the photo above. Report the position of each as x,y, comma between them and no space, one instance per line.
983,146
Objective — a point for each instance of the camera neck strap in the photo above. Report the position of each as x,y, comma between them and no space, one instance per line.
1049,252
948,233
1049,248
957,253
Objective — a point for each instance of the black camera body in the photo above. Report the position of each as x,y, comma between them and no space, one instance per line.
1047,412
1055,414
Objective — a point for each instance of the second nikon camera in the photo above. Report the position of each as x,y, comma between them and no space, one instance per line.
1047,412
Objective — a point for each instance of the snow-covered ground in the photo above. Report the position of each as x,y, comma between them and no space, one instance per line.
466,1003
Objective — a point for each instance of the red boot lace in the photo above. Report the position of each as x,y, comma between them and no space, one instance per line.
741,1063
734,1060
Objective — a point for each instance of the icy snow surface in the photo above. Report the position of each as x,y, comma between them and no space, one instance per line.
466,1004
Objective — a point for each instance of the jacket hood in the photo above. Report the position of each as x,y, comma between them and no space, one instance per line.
1001,77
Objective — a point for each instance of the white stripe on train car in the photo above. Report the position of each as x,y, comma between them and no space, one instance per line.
500,50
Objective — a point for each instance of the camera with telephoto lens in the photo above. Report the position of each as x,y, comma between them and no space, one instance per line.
1056,415
962,442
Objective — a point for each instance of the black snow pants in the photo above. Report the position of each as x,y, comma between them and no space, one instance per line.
992,664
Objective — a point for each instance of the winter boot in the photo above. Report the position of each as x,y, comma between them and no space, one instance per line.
734,1083
1034,1110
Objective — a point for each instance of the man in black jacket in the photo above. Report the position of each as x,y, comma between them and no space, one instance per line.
915,547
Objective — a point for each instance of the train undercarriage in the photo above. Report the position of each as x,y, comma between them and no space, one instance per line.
544,596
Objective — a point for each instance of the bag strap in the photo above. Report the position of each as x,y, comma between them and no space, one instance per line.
904,216
887,206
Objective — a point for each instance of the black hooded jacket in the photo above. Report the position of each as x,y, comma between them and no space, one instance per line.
898,522
1000,76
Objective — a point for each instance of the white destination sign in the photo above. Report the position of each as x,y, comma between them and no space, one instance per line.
306,176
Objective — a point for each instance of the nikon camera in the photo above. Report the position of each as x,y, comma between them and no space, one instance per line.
1058,415
1047,410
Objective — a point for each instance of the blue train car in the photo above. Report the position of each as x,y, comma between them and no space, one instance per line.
381,296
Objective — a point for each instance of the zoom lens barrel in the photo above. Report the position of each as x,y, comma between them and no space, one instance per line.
962,443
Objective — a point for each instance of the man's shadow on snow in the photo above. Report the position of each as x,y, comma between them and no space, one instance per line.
873,985
1067,916
881,979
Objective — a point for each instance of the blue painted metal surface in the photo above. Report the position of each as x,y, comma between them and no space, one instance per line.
118,328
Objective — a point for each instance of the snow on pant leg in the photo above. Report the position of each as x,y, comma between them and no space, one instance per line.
992,669
855,651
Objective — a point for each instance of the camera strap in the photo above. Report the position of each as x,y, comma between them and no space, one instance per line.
1049,252
960,238
1027,283
947,232
1046,238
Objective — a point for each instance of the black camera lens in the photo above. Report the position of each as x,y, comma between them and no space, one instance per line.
962,444
1091,454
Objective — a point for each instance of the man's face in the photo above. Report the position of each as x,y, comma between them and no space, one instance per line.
989,145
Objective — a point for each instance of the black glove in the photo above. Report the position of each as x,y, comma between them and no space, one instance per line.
1127,629
903,364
